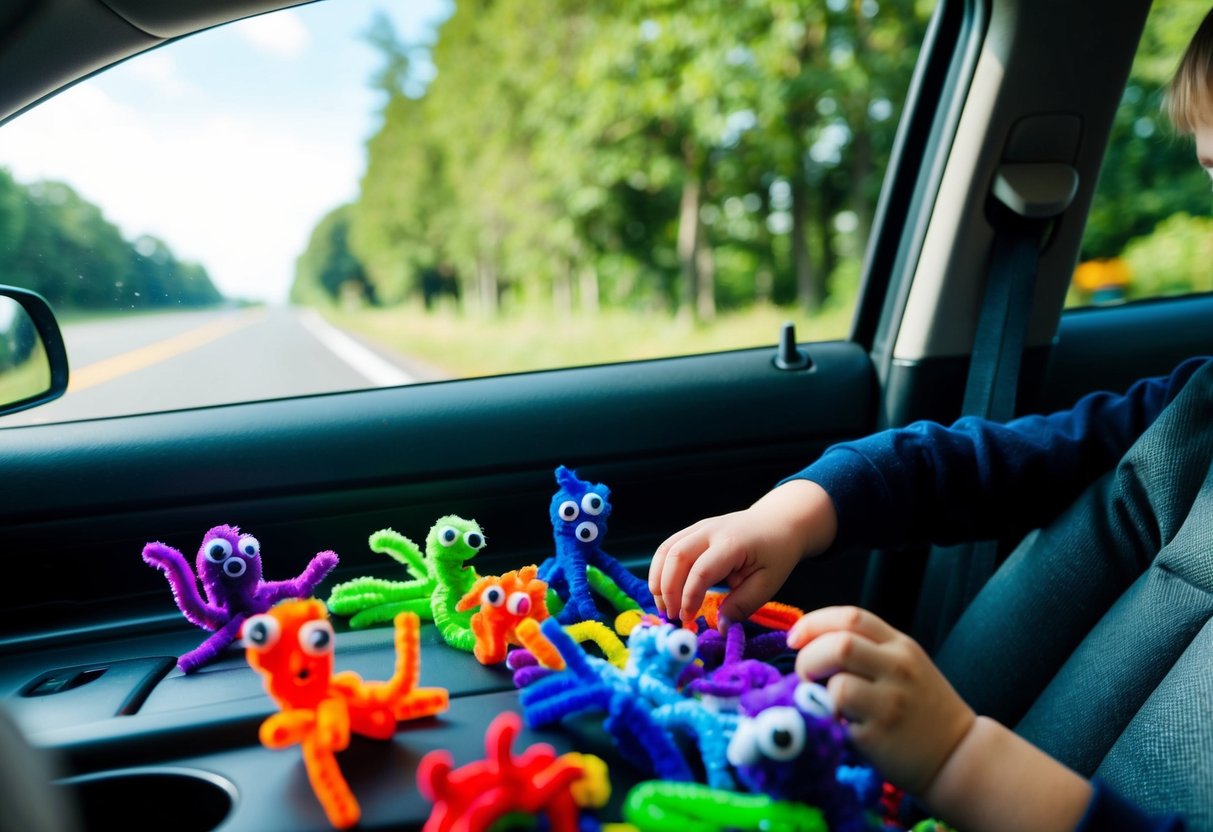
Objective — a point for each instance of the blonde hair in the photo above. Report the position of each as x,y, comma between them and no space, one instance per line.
1189,98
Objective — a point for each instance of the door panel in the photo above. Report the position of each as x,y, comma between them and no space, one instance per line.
676,440
1110,348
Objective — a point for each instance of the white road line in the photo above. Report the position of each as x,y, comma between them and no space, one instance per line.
375,369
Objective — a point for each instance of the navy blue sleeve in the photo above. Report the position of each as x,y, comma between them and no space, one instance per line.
975,480
1109,812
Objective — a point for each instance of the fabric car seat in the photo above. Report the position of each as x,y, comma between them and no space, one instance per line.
1094,641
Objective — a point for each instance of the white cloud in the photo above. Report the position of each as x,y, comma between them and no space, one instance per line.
158,70
282,34
241,198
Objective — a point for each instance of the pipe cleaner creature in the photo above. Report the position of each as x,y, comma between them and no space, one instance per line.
505,602
441,581
579,512
292,647
536,783
772,615
790,747
656,806
539,657
656,657
375,600
229,566
712,719
765,647
735,664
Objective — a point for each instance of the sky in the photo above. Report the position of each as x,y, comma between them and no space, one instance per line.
231,144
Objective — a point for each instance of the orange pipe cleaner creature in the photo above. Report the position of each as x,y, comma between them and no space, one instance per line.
772,615
292,647
505,602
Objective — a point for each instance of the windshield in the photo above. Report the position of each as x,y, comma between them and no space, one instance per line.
357,194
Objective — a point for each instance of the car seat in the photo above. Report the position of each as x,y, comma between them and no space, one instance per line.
1093,640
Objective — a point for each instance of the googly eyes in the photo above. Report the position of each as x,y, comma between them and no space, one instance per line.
218,550
743,747
681,645
587,532
494,596
593,504
261,632
474,540
519,603
448,535
316,638
779,733
568,511
813,699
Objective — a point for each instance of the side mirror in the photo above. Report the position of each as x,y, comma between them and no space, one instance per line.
33,362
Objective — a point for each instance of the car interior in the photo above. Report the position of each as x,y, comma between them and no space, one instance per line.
88,636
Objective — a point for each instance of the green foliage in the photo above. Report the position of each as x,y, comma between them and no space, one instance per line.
672,156
58,244
1151,185
328,271
1149,172
1174,260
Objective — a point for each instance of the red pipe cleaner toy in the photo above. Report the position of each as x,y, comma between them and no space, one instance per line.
471,798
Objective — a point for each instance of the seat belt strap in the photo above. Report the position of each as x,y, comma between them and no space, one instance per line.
1028,197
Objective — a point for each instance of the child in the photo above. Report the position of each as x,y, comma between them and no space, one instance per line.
926,483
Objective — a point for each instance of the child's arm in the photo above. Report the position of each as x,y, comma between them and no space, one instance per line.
902,713
753,550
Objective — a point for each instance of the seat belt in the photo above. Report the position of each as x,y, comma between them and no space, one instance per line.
1027,198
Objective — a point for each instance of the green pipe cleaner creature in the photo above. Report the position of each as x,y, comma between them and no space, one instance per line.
440,579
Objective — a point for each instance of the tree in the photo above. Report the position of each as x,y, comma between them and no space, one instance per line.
328,270
571,152
60,245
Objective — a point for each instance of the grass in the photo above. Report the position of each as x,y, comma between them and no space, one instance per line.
467,345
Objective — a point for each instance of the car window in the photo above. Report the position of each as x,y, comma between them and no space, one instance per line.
1149,233
359,194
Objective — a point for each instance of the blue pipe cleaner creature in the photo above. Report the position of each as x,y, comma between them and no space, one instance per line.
712,731
579,514
656,657
789,746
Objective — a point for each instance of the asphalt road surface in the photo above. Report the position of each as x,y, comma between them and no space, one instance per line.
171,361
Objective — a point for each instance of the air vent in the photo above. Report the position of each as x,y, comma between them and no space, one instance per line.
58,681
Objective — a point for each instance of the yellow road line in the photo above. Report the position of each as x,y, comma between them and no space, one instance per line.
99,372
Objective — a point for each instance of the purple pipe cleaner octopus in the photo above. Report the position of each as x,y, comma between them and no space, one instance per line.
229,566
789,746
721,689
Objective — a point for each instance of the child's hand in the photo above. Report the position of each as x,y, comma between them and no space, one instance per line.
753,551
902,712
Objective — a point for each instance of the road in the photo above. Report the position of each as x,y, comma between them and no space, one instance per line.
169,361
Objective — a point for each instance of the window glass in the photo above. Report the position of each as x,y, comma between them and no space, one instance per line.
355,194
1149,233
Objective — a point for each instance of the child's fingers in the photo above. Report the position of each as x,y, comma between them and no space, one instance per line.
676,570
747,595
856,699
657,565
840,652
716,562
828,619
